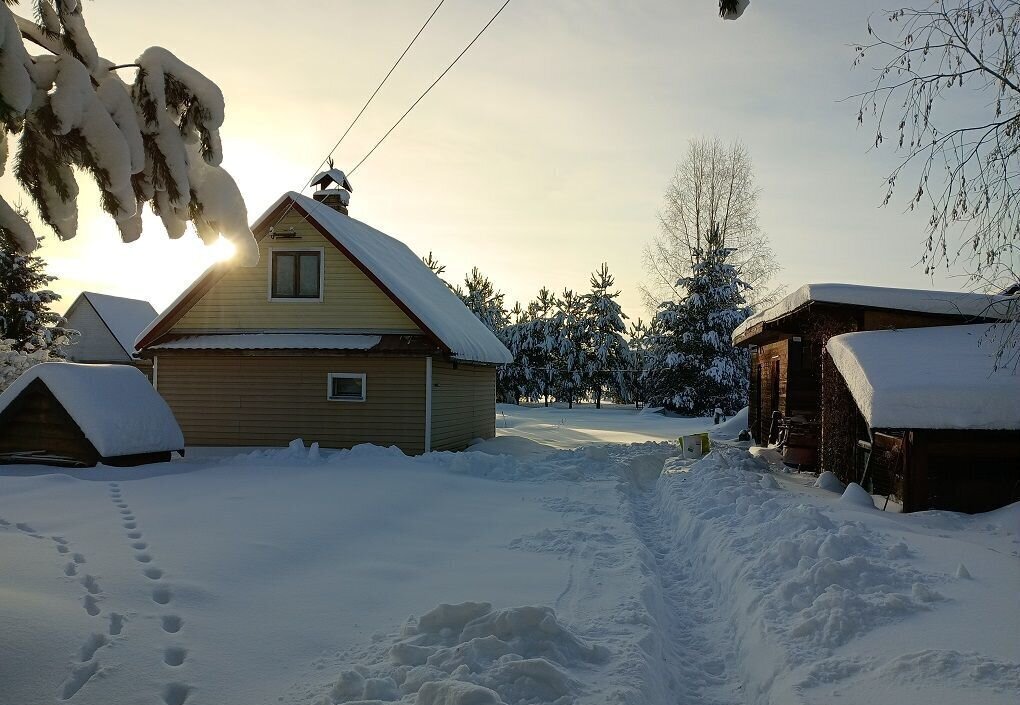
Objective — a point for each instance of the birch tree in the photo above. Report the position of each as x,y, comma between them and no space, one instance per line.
712,190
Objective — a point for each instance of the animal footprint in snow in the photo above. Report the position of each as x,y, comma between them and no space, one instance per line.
91,584
139,545
161,596
116,623
78,558
71,569
130,525
153,573
176,694
134,534
174,655
61,548
94,643
91,605
172,623
143,558
79,677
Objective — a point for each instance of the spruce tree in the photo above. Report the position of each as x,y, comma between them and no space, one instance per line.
541,343
572,349
153,138
638,345
693,366
485,301
610,355
26,318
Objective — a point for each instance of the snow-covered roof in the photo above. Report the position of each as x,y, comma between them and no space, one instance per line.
115,406
958,303
125,318
271,341
343,194
397,270
337,176
929,378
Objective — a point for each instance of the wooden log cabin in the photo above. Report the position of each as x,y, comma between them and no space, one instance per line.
934,423
787,343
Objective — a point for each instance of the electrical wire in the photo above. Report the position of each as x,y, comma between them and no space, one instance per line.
374,93
433,85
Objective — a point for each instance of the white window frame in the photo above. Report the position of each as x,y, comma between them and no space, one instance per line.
346,375
295,299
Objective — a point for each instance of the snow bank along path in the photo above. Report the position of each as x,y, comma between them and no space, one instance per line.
598,574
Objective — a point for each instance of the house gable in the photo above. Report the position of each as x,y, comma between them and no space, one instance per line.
238,298
97,342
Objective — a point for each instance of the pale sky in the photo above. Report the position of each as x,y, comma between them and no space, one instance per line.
544,152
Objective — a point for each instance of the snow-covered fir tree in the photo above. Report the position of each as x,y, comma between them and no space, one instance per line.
693,367
540,344
30,331
513,380
609,357
485,301
26,316
572,360
151,139
638,344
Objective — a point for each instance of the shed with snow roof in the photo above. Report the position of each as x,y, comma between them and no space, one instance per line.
787,343
108,326
340,335
935,424
62,413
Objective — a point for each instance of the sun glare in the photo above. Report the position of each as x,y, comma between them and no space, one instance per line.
222,250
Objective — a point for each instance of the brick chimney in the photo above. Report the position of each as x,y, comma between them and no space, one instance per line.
333,189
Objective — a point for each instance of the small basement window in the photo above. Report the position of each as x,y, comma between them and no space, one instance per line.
344,386
295,274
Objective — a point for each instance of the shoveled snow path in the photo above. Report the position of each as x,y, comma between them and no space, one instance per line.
696,661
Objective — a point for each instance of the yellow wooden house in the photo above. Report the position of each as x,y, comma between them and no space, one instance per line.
339,335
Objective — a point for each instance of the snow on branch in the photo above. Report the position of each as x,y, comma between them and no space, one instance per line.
154,141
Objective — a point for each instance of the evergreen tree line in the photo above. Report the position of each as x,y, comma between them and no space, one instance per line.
575,346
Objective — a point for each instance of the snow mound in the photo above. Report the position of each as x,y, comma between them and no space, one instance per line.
731,427
471,654
858,496
801,579
515,446
828,481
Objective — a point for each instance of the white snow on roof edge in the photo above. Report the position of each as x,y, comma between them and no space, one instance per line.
919,300
929,378
412,282
114,405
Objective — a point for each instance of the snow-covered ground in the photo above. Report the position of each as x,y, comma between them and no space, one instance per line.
552,567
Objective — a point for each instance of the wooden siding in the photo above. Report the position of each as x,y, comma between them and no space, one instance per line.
463,404
350,300
35,421
96,343
230,399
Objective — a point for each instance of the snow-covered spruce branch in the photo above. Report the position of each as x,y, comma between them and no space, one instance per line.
155,140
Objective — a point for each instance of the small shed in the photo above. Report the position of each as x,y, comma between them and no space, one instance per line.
62,413
108,326
789,367
936,425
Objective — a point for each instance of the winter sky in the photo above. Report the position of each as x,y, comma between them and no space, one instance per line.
548,147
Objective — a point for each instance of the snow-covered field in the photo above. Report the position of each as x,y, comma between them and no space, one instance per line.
555,566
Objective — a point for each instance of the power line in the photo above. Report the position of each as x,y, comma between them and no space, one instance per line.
427,90
375,92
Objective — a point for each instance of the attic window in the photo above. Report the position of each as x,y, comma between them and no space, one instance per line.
296,274
344,386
